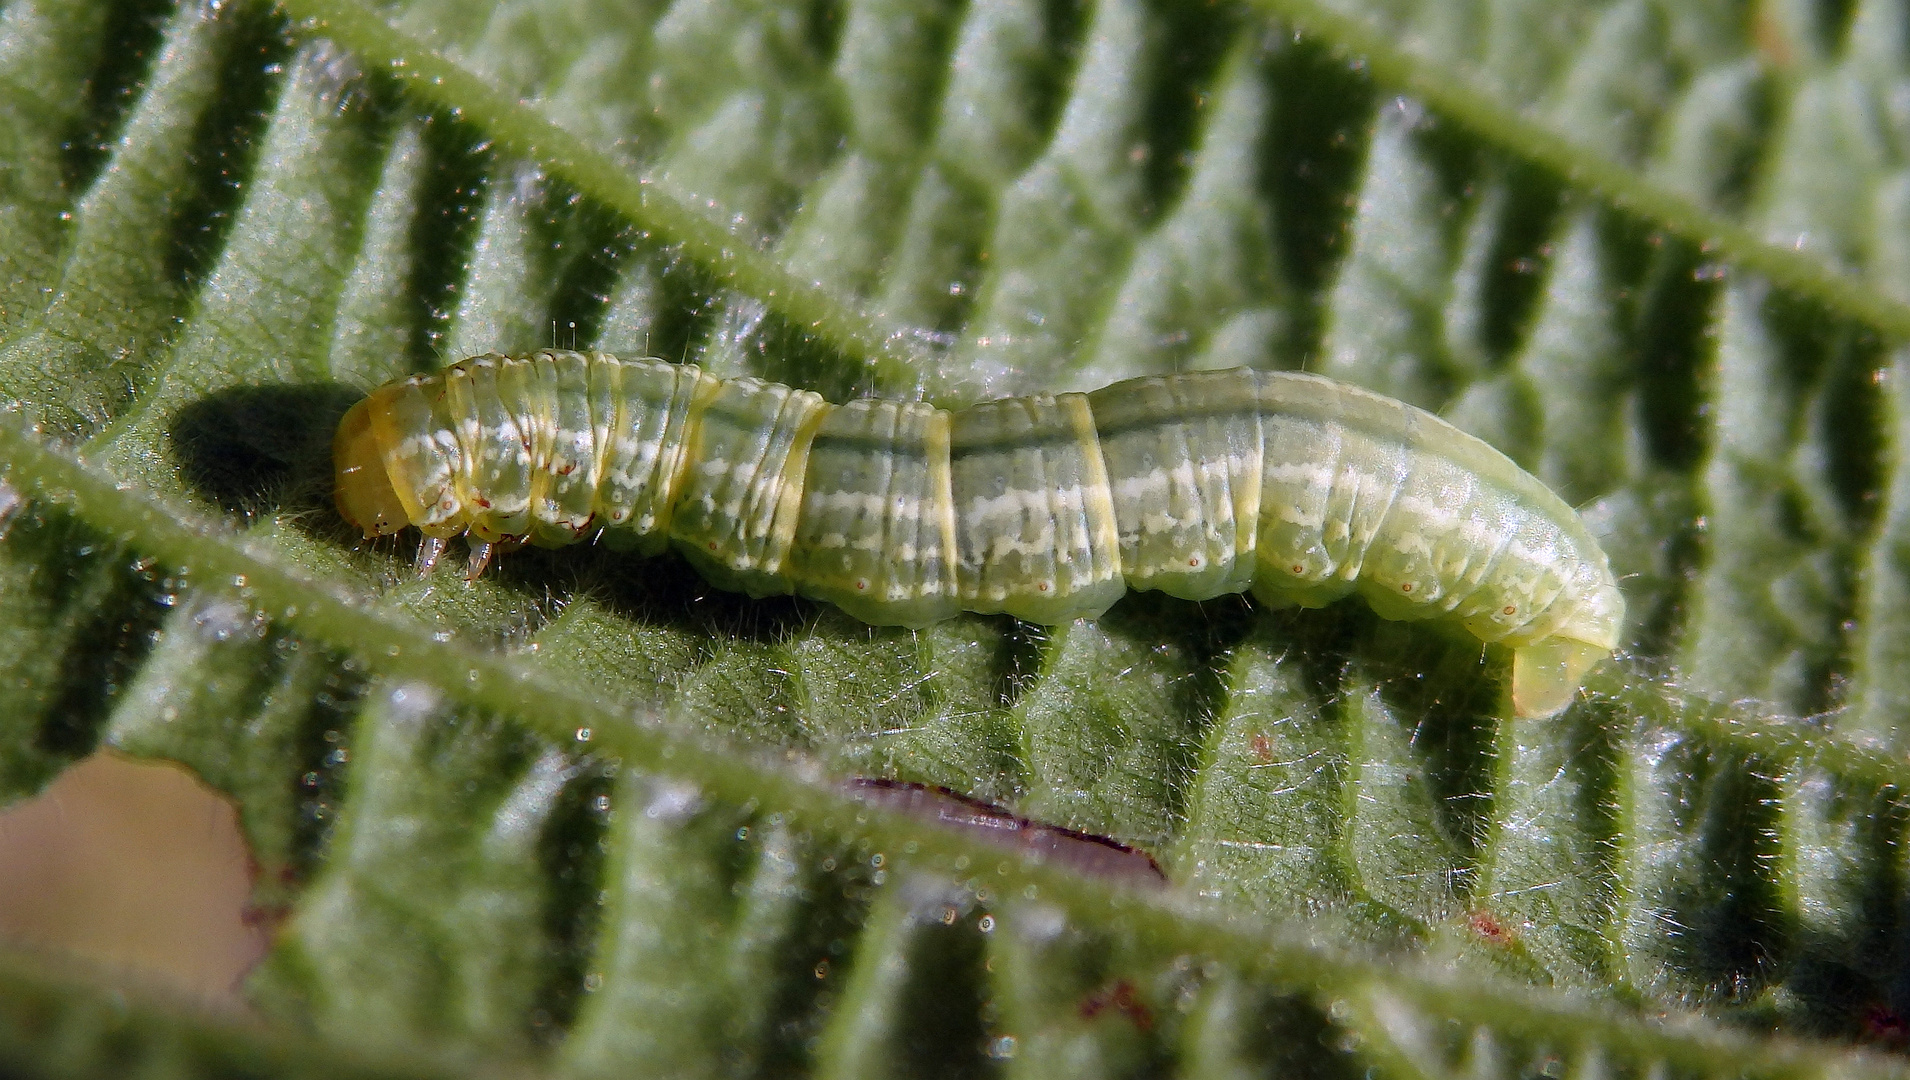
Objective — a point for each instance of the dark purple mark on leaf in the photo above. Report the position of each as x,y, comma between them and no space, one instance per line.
1884,1026
1122,998
1086,853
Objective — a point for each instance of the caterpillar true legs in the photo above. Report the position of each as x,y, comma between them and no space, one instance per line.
1047,507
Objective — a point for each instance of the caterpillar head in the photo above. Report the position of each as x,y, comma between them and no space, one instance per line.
362,486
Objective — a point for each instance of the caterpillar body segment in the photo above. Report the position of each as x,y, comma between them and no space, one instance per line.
1048,508
877,531
737,492
1034,519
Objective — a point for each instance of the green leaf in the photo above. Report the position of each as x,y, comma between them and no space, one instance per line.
589,812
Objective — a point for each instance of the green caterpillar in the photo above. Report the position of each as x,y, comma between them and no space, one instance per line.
1047,507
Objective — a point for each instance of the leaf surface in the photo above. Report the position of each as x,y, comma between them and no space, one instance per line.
590,811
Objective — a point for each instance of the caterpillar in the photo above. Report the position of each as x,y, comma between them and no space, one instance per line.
1048,507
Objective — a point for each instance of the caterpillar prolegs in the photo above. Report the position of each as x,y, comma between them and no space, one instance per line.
1047,507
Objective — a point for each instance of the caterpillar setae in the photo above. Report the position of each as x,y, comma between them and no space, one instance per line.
1048,508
